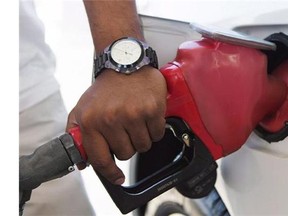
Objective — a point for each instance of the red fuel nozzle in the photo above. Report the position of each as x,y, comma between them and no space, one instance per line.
222,91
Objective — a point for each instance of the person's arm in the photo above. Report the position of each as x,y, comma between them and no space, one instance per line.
119,113
111,20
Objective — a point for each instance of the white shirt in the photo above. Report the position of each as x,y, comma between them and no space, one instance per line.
37,62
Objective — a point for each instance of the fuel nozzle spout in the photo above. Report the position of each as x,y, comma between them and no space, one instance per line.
274,127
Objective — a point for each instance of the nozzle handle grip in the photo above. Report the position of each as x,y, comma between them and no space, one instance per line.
194,163
77,137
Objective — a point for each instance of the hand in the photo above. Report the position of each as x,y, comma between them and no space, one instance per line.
122,114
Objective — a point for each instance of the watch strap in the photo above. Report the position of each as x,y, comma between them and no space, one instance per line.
99,64
151,54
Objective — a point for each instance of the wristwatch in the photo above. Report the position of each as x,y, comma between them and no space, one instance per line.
125,55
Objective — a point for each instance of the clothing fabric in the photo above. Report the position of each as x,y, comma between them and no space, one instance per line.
36,59
42,117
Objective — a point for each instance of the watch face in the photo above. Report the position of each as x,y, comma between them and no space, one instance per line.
126,52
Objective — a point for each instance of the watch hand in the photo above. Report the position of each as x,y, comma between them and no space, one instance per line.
126,52
119,49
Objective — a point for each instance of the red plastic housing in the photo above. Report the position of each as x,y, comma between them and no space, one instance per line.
77,137
221,91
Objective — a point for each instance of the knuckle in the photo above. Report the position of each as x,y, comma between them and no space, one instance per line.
71,114
107,116
147,110
121,147
134,112
143,146
86,120
152,109
100,165
158,132
123,151
142,142
110,116
158,136
124,155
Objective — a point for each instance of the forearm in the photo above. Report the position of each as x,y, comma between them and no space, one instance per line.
112,19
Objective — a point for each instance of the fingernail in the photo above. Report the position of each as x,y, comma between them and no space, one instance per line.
119,181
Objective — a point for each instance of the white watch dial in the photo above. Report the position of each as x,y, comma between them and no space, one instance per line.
126,52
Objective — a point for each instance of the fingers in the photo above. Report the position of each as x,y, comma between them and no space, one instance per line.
155,120
123,142
127,137
142,127
100,157
156,128
119,142
139,136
